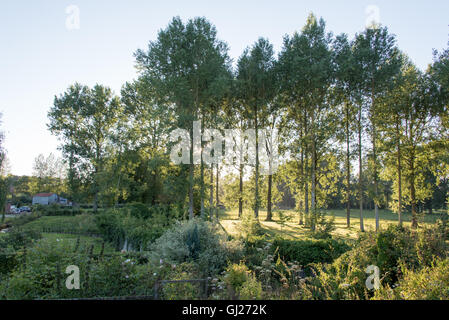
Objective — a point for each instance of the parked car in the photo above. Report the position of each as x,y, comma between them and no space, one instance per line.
25,209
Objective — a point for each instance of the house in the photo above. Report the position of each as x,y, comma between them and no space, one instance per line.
45,198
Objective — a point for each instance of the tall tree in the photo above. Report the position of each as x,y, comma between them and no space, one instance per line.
256,79
86,126
379,61
182,65
346,94
308,72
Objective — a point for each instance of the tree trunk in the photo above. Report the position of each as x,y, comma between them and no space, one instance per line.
191,171
362,228
413,191
374,133
217,200
399,174
301,203
269,213
348,173
211,199
376,208
240,191
313,177
256,206
202,191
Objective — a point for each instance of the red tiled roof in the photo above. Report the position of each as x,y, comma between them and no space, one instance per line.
44,194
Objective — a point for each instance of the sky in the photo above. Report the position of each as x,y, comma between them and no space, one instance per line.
45,46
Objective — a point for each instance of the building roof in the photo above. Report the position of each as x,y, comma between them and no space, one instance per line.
43,195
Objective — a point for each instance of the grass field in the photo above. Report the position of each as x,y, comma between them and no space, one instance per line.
80,224
85,241
292,229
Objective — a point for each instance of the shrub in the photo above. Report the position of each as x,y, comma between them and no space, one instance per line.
10,243
249,226
139,210
236,275
183,290
251,289
392,250
126,228
309,251
429,283
198,241
41,274
242,283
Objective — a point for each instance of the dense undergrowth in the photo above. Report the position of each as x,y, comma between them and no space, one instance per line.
153,244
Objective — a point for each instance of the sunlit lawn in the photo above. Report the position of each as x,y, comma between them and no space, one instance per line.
292,229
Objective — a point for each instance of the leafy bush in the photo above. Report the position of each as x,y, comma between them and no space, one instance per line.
242,283
183,290
429,283
10,243
236,275
391,250
24,219
251,289
41,274
126,228
249,226
197,241
139,210
309,251
56,210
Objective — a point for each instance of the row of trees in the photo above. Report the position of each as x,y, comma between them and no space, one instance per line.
348,112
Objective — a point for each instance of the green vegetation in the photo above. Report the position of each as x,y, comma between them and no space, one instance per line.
357,178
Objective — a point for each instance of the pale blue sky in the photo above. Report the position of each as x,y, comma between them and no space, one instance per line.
40,57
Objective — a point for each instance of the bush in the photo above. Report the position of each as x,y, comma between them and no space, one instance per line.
41,274
306,252
429,283
242,283
183,290
197,241
251,289
10,244
392,250
139,210
249,226
126,228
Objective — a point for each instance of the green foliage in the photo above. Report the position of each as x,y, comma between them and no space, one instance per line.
429,283
249,226
197,241
251,289
306,252
283,218
10,244
390,250
78,224
57,210
182,290
242,283
41,274
128,227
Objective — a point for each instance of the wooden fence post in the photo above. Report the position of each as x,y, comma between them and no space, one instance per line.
156,290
